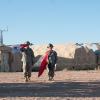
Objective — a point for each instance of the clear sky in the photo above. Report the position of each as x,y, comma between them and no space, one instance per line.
55,21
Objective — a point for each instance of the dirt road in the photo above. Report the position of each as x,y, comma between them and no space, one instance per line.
71,85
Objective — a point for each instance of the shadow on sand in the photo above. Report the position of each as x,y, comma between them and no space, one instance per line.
54,89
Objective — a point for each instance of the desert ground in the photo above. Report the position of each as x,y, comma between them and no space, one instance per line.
67,85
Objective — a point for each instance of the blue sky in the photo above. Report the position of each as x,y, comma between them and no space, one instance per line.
55,21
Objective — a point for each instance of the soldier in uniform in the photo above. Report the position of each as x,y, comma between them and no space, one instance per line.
52,60
28,61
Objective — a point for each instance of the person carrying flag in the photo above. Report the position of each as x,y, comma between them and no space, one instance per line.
52,60
27,59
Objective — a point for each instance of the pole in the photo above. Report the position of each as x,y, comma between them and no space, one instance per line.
1,36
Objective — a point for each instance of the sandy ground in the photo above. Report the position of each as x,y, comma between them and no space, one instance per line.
67,85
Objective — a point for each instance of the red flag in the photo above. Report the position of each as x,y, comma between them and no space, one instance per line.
43,64
23,45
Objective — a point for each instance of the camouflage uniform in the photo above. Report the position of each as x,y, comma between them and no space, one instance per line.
28,60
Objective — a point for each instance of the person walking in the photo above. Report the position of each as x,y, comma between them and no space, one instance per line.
52,61
28,60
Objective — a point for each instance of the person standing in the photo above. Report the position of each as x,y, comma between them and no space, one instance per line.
52,61
28,60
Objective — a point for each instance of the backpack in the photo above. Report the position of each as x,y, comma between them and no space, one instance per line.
52,58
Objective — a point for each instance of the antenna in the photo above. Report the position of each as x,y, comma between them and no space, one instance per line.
1,35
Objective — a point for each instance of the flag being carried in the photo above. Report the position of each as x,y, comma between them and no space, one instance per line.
50,60
43,63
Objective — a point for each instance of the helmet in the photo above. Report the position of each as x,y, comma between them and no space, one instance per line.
28,43
50,45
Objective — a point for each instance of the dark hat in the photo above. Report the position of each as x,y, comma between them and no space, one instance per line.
28,43
50,45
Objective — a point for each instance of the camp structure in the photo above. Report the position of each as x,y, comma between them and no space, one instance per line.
17,63
6,58
70,56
